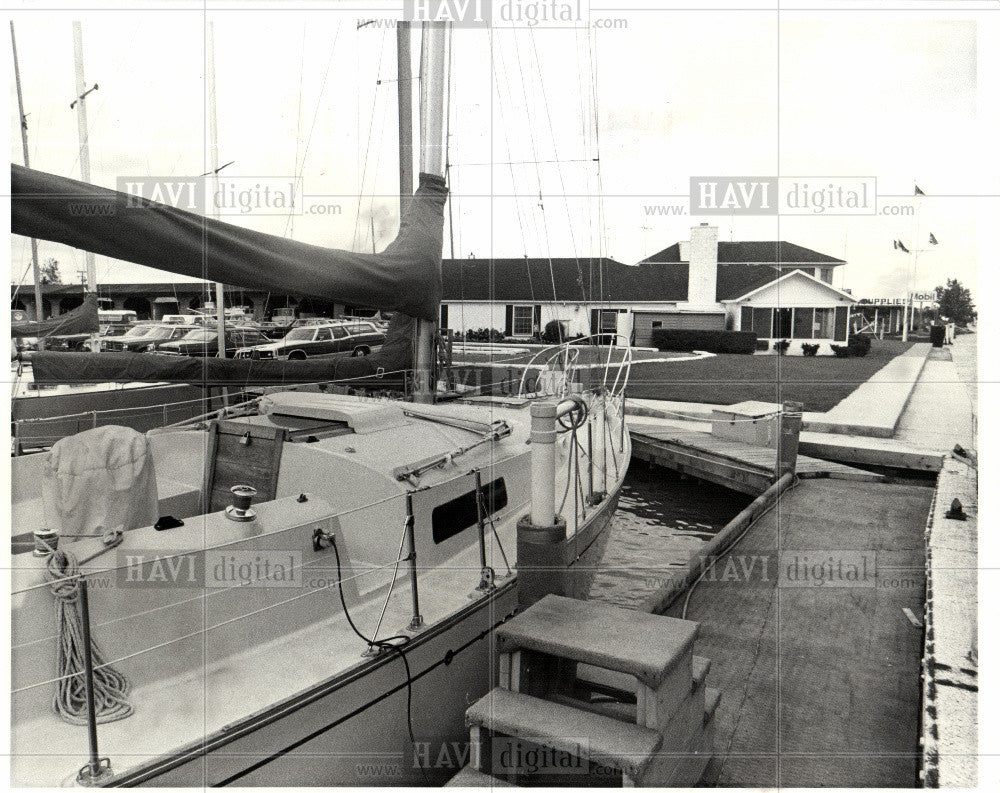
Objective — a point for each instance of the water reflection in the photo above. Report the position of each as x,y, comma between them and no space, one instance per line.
661,521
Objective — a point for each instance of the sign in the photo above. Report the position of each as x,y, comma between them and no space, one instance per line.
917,297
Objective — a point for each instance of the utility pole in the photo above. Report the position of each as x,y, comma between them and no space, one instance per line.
27,164
81,121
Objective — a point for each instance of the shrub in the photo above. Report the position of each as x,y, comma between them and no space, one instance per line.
841,351
721,341
860,344
484,335
555,332
810,349
762,345
781,347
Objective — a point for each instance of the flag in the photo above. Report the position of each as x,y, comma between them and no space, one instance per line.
917,190
933,240
901,246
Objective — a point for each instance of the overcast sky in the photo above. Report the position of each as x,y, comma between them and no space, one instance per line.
901,96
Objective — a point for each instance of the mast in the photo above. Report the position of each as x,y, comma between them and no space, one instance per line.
433,76
81,122
27,164
213,153
404,95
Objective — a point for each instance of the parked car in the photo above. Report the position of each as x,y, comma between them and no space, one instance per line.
330,338
204,342
144,338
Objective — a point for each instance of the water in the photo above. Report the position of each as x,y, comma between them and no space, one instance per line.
661,521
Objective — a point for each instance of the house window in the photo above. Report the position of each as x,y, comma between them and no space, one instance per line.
826,275
802,323
761,323
657,323
782,328
524,320
823,323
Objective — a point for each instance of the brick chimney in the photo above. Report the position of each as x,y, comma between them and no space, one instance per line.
703,263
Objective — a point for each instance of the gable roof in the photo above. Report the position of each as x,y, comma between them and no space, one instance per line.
796,273
755,252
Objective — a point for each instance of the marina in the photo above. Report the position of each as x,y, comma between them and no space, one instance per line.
410,481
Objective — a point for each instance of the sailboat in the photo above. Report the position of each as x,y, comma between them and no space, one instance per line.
305,593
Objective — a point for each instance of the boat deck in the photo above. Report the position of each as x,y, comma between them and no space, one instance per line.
740,466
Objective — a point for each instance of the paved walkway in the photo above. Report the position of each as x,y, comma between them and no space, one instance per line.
939,413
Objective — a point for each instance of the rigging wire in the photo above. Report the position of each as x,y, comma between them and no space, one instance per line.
368,146
562,181
510,164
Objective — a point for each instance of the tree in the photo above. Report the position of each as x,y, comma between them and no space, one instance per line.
955,303
49,272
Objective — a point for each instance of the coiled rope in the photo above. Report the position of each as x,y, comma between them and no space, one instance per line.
110,686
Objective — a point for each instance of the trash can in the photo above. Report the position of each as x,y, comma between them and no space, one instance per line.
937,335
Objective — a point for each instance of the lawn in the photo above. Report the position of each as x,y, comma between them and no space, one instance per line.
819,383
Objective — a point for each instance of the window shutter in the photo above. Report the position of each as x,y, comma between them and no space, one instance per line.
444,316
746,318
594,320
840,324
509,329
538,318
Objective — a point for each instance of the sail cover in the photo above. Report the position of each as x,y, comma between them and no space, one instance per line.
82,319
394,357
405,277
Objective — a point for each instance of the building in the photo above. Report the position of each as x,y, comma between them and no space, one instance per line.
778,290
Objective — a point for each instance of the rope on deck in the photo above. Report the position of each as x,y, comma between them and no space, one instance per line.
110,686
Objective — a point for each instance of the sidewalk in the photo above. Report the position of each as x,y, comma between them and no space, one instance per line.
874,408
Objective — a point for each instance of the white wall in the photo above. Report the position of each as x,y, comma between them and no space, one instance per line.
796,291
473,315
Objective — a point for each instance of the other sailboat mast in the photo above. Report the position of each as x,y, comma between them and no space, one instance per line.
27,164
80,103
213,154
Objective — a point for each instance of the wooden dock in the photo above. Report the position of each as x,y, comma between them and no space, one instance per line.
739,466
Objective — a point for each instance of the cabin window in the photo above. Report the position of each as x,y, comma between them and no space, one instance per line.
459,514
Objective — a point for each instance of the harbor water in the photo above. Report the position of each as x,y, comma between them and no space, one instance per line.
662,519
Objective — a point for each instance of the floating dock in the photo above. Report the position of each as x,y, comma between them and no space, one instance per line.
741,466
820,681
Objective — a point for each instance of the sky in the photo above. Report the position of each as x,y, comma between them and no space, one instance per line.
657,96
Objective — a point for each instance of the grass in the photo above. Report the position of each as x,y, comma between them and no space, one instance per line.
819,383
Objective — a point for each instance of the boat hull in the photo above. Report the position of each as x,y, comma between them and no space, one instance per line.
352,729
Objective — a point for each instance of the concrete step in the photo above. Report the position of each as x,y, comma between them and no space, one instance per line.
609,742
645,646
470,777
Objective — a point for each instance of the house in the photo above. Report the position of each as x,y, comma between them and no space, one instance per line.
778,290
